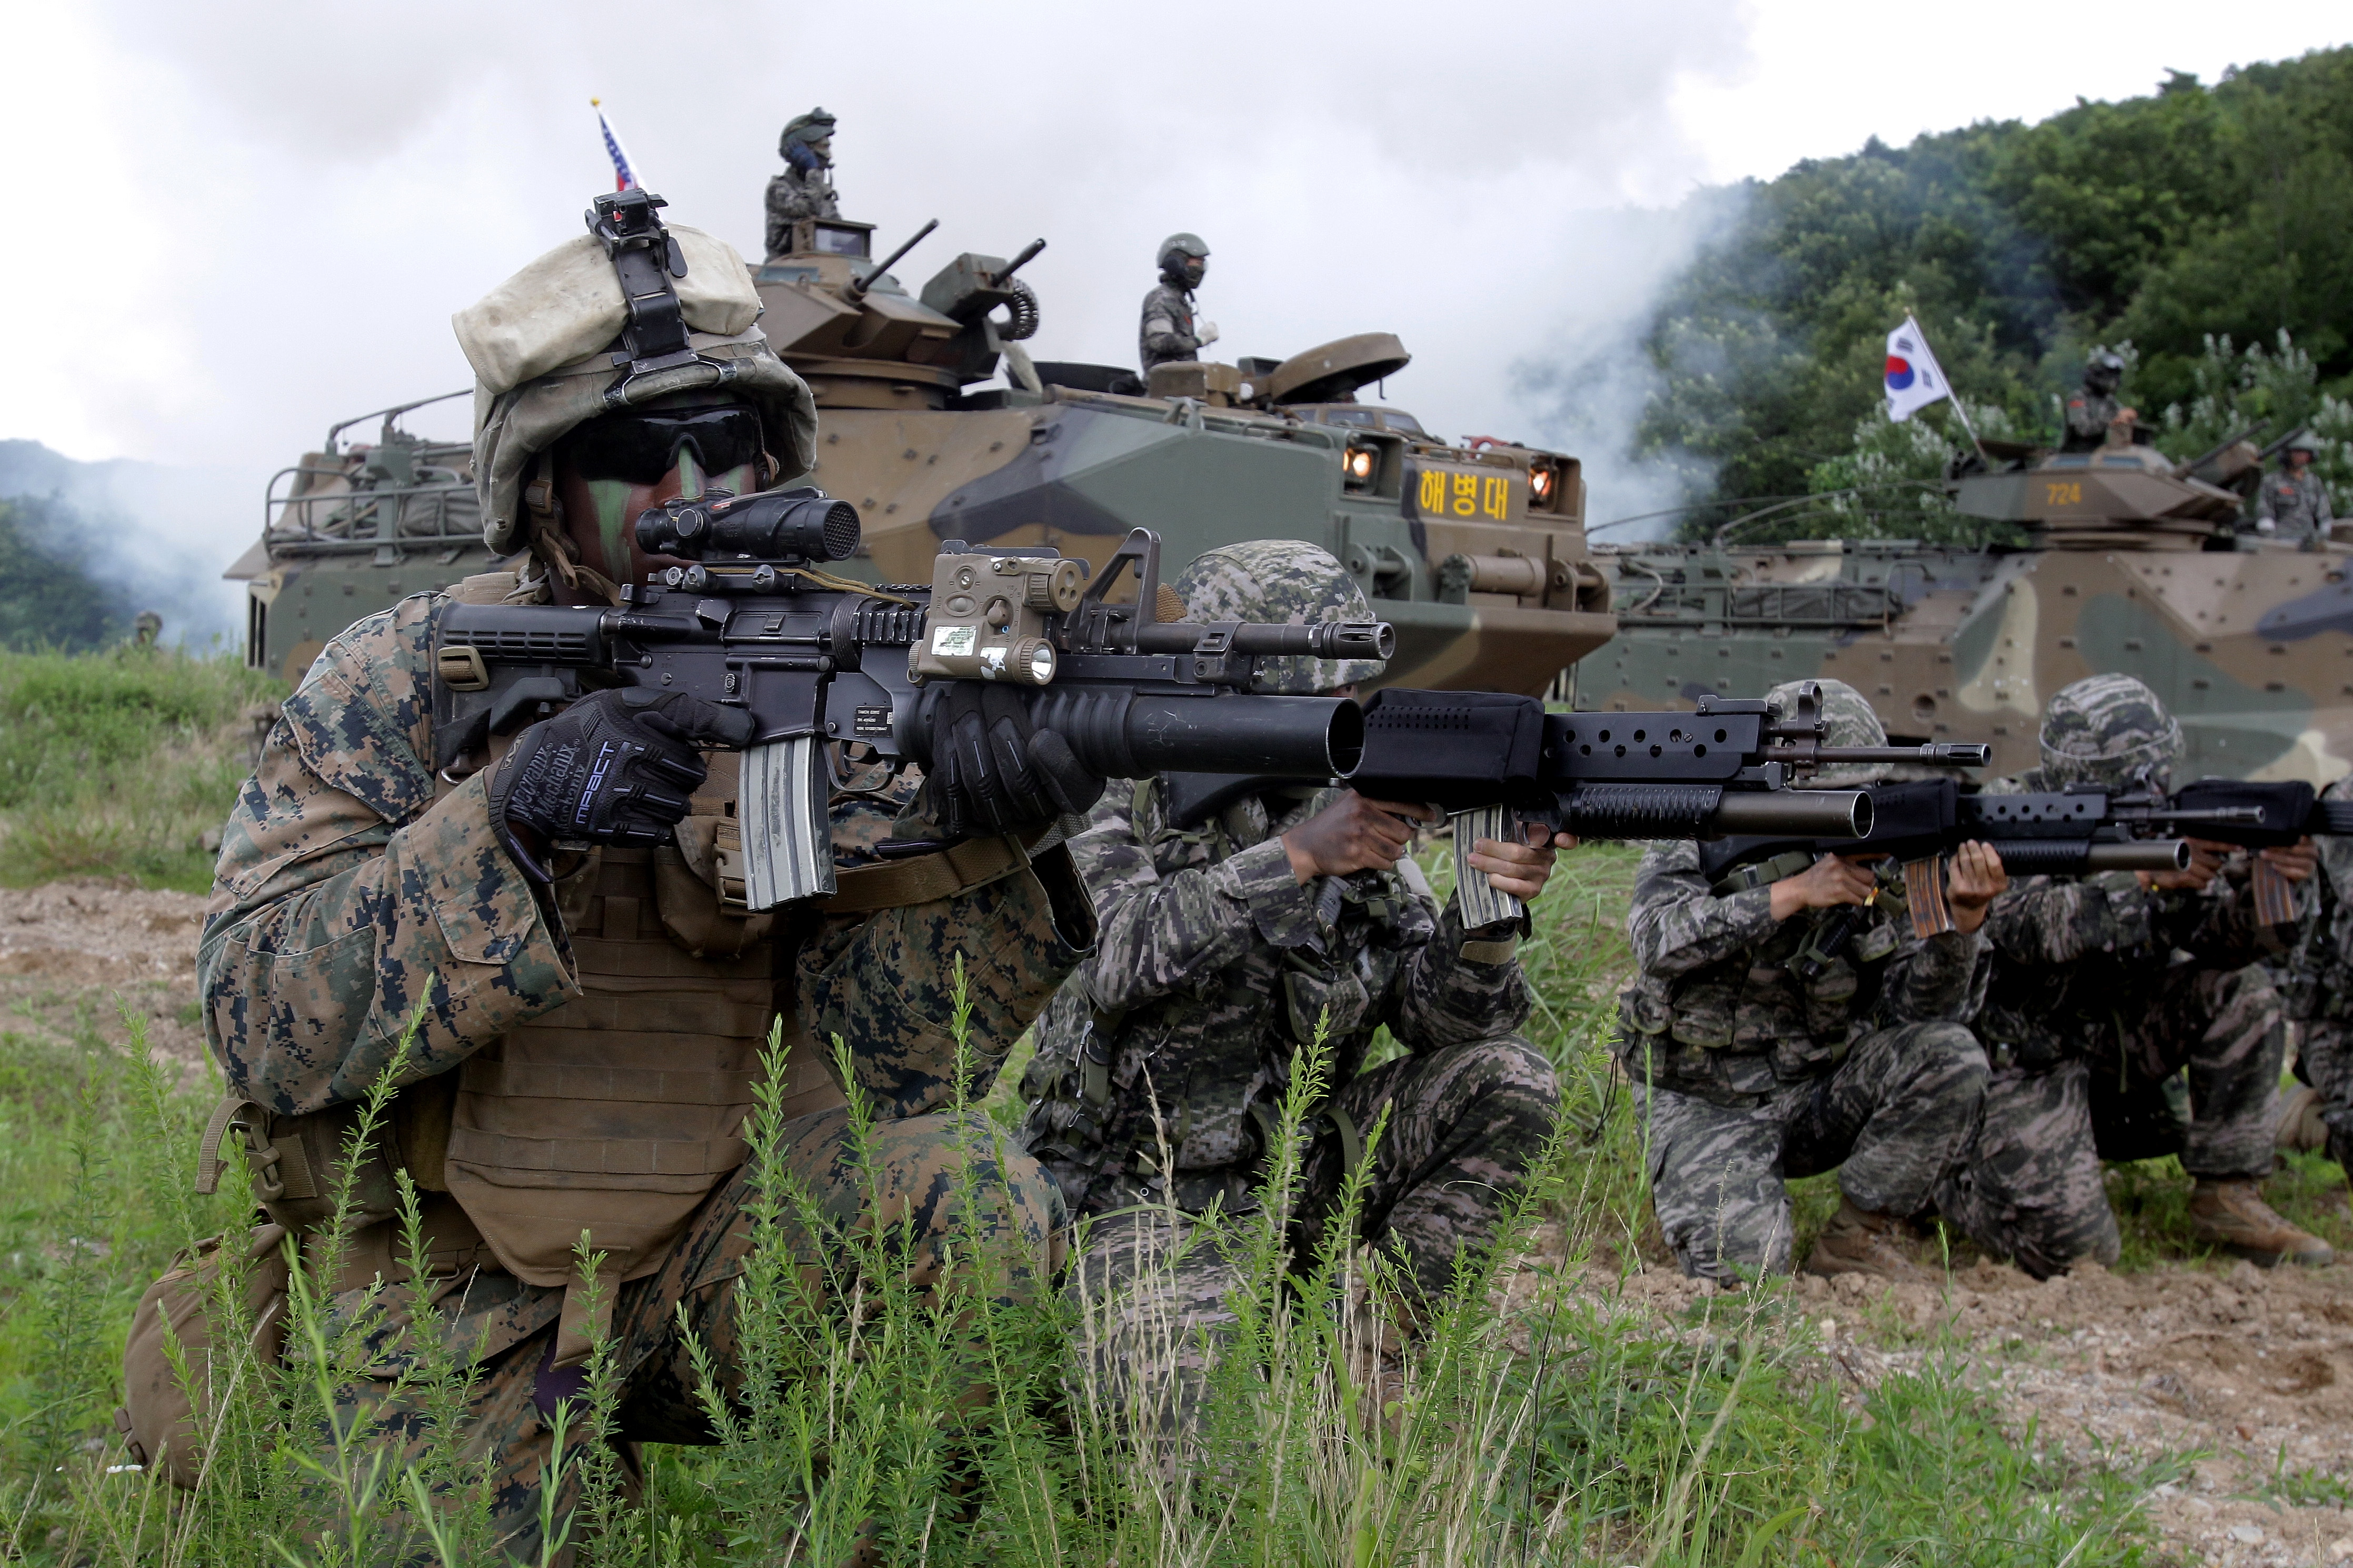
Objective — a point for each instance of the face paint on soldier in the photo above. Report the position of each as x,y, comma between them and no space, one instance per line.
600,514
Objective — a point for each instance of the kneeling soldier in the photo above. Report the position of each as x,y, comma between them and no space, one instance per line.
1785,1023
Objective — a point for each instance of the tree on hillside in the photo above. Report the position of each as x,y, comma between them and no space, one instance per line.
2158,223
46,600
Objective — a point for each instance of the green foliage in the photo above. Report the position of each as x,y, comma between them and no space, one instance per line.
2165,223
114,763
46,599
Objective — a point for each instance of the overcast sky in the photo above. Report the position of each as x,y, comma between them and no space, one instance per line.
241,221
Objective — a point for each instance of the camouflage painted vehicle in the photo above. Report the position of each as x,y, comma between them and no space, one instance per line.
351,529
1475,553
2134,564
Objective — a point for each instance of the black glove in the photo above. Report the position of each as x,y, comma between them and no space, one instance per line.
991,772
617,767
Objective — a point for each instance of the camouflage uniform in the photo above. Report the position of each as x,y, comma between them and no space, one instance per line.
1161,1064
1166,332
2319,990
1745,1073
352,884
2094,408
2087,1016
2293,506
796,192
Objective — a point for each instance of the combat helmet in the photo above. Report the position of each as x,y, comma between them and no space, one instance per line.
1289,583
2106,371
804,130
2302,441
1848,720
1177,249
543,345
2109,732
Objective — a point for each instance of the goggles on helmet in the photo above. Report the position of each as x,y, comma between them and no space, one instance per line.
640,448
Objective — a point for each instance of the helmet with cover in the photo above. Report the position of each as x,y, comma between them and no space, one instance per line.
2302,441
1848,720
2109,732
802,143
2105,372
1288,582
572,440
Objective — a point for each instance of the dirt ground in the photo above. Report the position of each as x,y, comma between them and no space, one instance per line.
71,949
2249,1369
2253,1370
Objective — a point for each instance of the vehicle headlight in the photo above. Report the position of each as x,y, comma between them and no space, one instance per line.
1360,465
1540,485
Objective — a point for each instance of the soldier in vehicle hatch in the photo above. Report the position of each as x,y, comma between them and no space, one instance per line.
804,188
1786,1021
2095,417
2089,1015
1231,934
2292,505
593,1020
1168,330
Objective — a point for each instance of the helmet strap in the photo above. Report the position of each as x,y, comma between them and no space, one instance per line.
646,259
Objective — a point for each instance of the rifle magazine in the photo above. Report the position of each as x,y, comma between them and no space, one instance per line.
1477,902
787,829
1923,892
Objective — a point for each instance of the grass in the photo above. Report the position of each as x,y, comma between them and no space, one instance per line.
114,763
1538,1417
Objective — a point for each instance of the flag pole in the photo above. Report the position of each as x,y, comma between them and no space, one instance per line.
1952,393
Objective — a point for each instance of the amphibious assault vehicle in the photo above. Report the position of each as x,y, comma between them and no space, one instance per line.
1475,553
2132,563
350,529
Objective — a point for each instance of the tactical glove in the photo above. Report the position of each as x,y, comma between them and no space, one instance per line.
617,767
992,774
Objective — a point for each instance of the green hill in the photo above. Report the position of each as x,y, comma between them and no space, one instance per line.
2201,231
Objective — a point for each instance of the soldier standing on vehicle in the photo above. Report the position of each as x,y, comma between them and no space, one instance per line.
2088,1015
593,1030
1785,1022
2095,417
1168,330
1228,943
2292,506
804,188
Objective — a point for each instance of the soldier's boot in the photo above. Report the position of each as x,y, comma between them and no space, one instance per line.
1857,1241
2300,1127
2229,1213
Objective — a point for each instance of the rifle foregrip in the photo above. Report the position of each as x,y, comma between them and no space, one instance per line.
1710,811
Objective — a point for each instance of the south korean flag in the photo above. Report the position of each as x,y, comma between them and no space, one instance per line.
1914,379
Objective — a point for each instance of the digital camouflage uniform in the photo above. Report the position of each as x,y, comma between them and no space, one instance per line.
1165,333
1161,1063
2094,406
796,192
353,884
2088,1013
2292,506
1745,1073
2319,990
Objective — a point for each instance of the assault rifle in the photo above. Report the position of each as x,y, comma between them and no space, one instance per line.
751,619
1724,769
2074,832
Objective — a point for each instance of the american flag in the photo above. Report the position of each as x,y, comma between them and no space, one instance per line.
625,177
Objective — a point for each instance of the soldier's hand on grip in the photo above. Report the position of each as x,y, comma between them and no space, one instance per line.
1354,833
1830,881
992,773
617,767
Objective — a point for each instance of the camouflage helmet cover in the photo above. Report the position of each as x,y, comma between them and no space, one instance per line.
2105,370
2302,441
2108,730
1176,247
1848,720
814,126
1289,583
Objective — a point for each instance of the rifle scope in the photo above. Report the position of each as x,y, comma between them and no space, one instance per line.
798,524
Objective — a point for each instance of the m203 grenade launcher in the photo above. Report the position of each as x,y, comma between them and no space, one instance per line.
749,617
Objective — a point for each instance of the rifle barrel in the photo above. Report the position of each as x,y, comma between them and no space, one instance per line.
857,290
